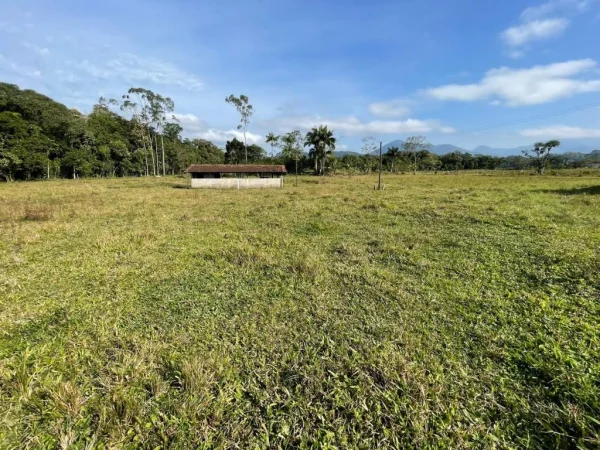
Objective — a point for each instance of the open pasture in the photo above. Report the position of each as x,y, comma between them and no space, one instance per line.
447,311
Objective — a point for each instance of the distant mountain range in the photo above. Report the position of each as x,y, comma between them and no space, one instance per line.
567,146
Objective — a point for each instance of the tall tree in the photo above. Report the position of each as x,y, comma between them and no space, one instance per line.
172,131
273,140
155,109
255,153
322,143
14,130
392,154
292,148
234,151
412,146
541,154
369,146
160,107
9,162
141,125
245,109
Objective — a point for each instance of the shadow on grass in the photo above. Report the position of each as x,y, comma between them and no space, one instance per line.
180,186
591,190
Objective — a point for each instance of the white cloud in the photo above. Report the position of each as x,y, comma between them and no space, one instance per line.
447,130
216,135
195,127
394,108
562,132
353,126
42,51
552,7
135,69
517,87
191,124
541,22
188,119
534,31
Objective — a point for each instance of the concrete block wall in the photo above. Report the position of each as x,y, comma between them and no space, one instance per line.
237,183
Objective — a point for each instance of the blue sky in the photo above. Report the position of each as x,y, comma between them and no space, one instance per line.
381,68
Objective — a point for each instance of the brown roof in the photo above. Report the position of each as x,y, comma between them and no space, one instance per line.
235,168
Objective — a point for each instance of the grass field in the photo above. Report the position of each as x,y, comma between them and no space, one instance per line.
448,311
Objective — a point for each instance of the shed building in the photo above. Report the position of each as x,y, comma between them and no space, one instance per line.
236,176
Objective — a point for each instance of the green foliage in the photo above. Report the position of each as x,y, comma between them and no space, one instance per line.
541,154
245,110
274,141
78,162
173,131
256,153
402,161
292,145
322,144
9,164
292,148
196,151
52,118
44,139
236,153
415,148
447,311
392,155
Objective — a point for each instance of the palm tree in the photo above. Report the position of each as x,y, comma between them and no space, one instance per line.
314,156
322,144
393,153
274,141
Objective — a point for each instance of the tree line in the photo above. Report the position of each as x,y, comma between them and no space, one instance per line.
138,135
41,138
412,156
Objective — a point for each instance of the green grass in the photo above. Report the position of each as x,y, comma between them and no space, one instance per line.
448,311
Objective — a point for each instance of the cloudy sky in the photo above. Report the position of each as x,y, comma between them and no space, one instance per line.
446,69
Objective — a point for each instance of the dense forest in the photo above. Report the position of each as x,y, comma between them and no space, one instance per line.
137,135
40,138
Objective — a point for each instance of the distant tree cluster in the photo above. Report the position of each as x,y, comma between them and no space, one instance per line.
412,156
398,160
238,153
321,146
